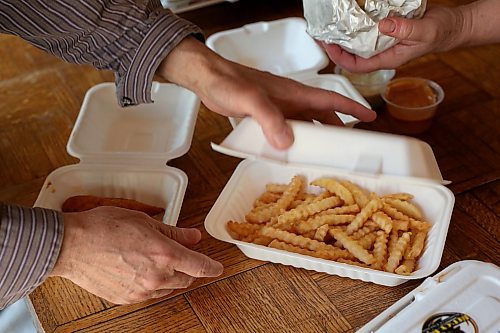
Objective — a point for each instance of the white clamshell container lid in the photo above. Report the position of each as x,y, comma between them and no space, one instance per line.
347,149
152,133
465,295
284,48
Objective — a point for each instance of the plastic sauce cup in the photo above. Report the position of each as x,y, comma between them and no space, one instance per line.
412,103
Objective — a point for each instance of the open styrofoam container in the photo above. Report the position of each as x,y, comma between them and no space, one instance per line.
467,291
378,162
283,47
123,151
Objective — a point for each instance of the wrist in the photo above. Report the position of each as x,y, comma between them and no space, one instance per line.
72,235
464,26
189,64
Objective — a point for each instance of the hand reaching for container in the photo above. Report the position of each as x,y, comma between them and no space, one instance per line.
234,90
441,29
127,257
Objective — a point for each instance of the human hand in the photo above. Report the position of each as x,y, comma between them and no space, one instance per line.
234,90
127,257
439,30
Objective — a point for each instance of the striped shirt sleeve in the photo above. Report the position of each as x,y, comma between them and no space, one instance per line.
129,37
30,241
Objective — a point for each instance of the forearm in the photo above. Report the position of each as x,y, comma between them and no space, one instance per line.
130,38
30,241
481,24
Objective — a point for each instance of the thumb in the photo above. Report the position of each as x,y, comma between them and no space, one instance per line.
184,236
403,29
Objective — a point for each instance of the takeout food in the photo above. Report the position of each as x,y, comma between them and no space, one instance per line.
342,223
80,203
353,24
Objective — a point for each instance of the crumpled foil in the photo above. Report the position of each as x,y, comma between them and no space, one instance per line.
355,29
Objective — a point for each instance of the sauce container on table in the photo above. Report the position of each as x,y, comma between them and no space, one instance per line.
412,103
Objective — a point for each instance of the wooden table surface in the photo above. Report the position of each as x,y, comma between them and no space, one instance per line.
40,97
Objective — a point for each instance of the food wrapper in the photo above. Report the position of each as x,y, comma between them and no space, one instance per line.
354,24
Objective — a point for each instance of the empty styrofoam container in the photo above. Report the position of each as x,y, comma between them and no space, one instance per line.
123,151
283,47
378,162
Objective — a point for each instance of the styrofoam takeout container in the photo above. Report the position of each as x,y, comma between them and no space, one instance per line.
123,151
378,162
283,47
465,296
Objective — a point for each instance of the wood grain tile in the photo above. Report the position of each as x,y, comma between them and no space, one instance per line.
271,298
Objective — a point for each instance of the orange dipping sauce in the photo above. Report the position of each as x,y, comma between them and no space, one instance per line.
412,103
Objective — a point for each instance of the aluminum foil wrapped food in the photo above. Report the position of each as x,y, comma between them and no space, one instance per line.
353,24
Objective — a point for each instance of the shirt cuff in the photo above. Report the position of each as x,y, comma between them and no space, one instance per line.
30,241
165,32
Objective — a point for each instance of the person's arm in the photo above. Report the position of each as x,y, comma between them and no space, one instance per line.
134,38
441,29
130,38
30,241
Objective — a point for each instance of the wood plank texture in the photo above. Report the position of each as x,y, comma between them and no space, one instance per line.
40,97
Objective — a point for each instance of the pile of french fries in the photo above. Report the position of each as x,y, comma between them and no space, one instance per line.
342,223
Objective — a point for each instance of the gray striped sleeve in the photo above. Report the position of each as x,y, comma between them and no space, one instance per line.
30,240
129,37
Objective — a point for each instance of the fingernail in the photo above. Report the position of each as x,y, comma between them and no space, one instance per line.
387,26
284,138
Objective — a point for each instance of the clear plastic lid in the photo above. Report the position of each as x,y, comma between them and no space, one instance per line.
342,148
464,297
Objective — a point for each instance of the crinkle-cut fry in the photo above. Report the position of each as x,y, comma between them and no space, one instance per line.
393,239
353,246
318,221
383,221
276,244
352,262
417,245
420,225
380,249
367,240
305,243
336,188
276,188
266,198
394,213
397,252
262,240
262,214
310,209
371,207
405,207
288,196
406,268
351,209
241,230
359,195
321,233
298,202
310,234
400,196
366,229
265,213
305,196
400,225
